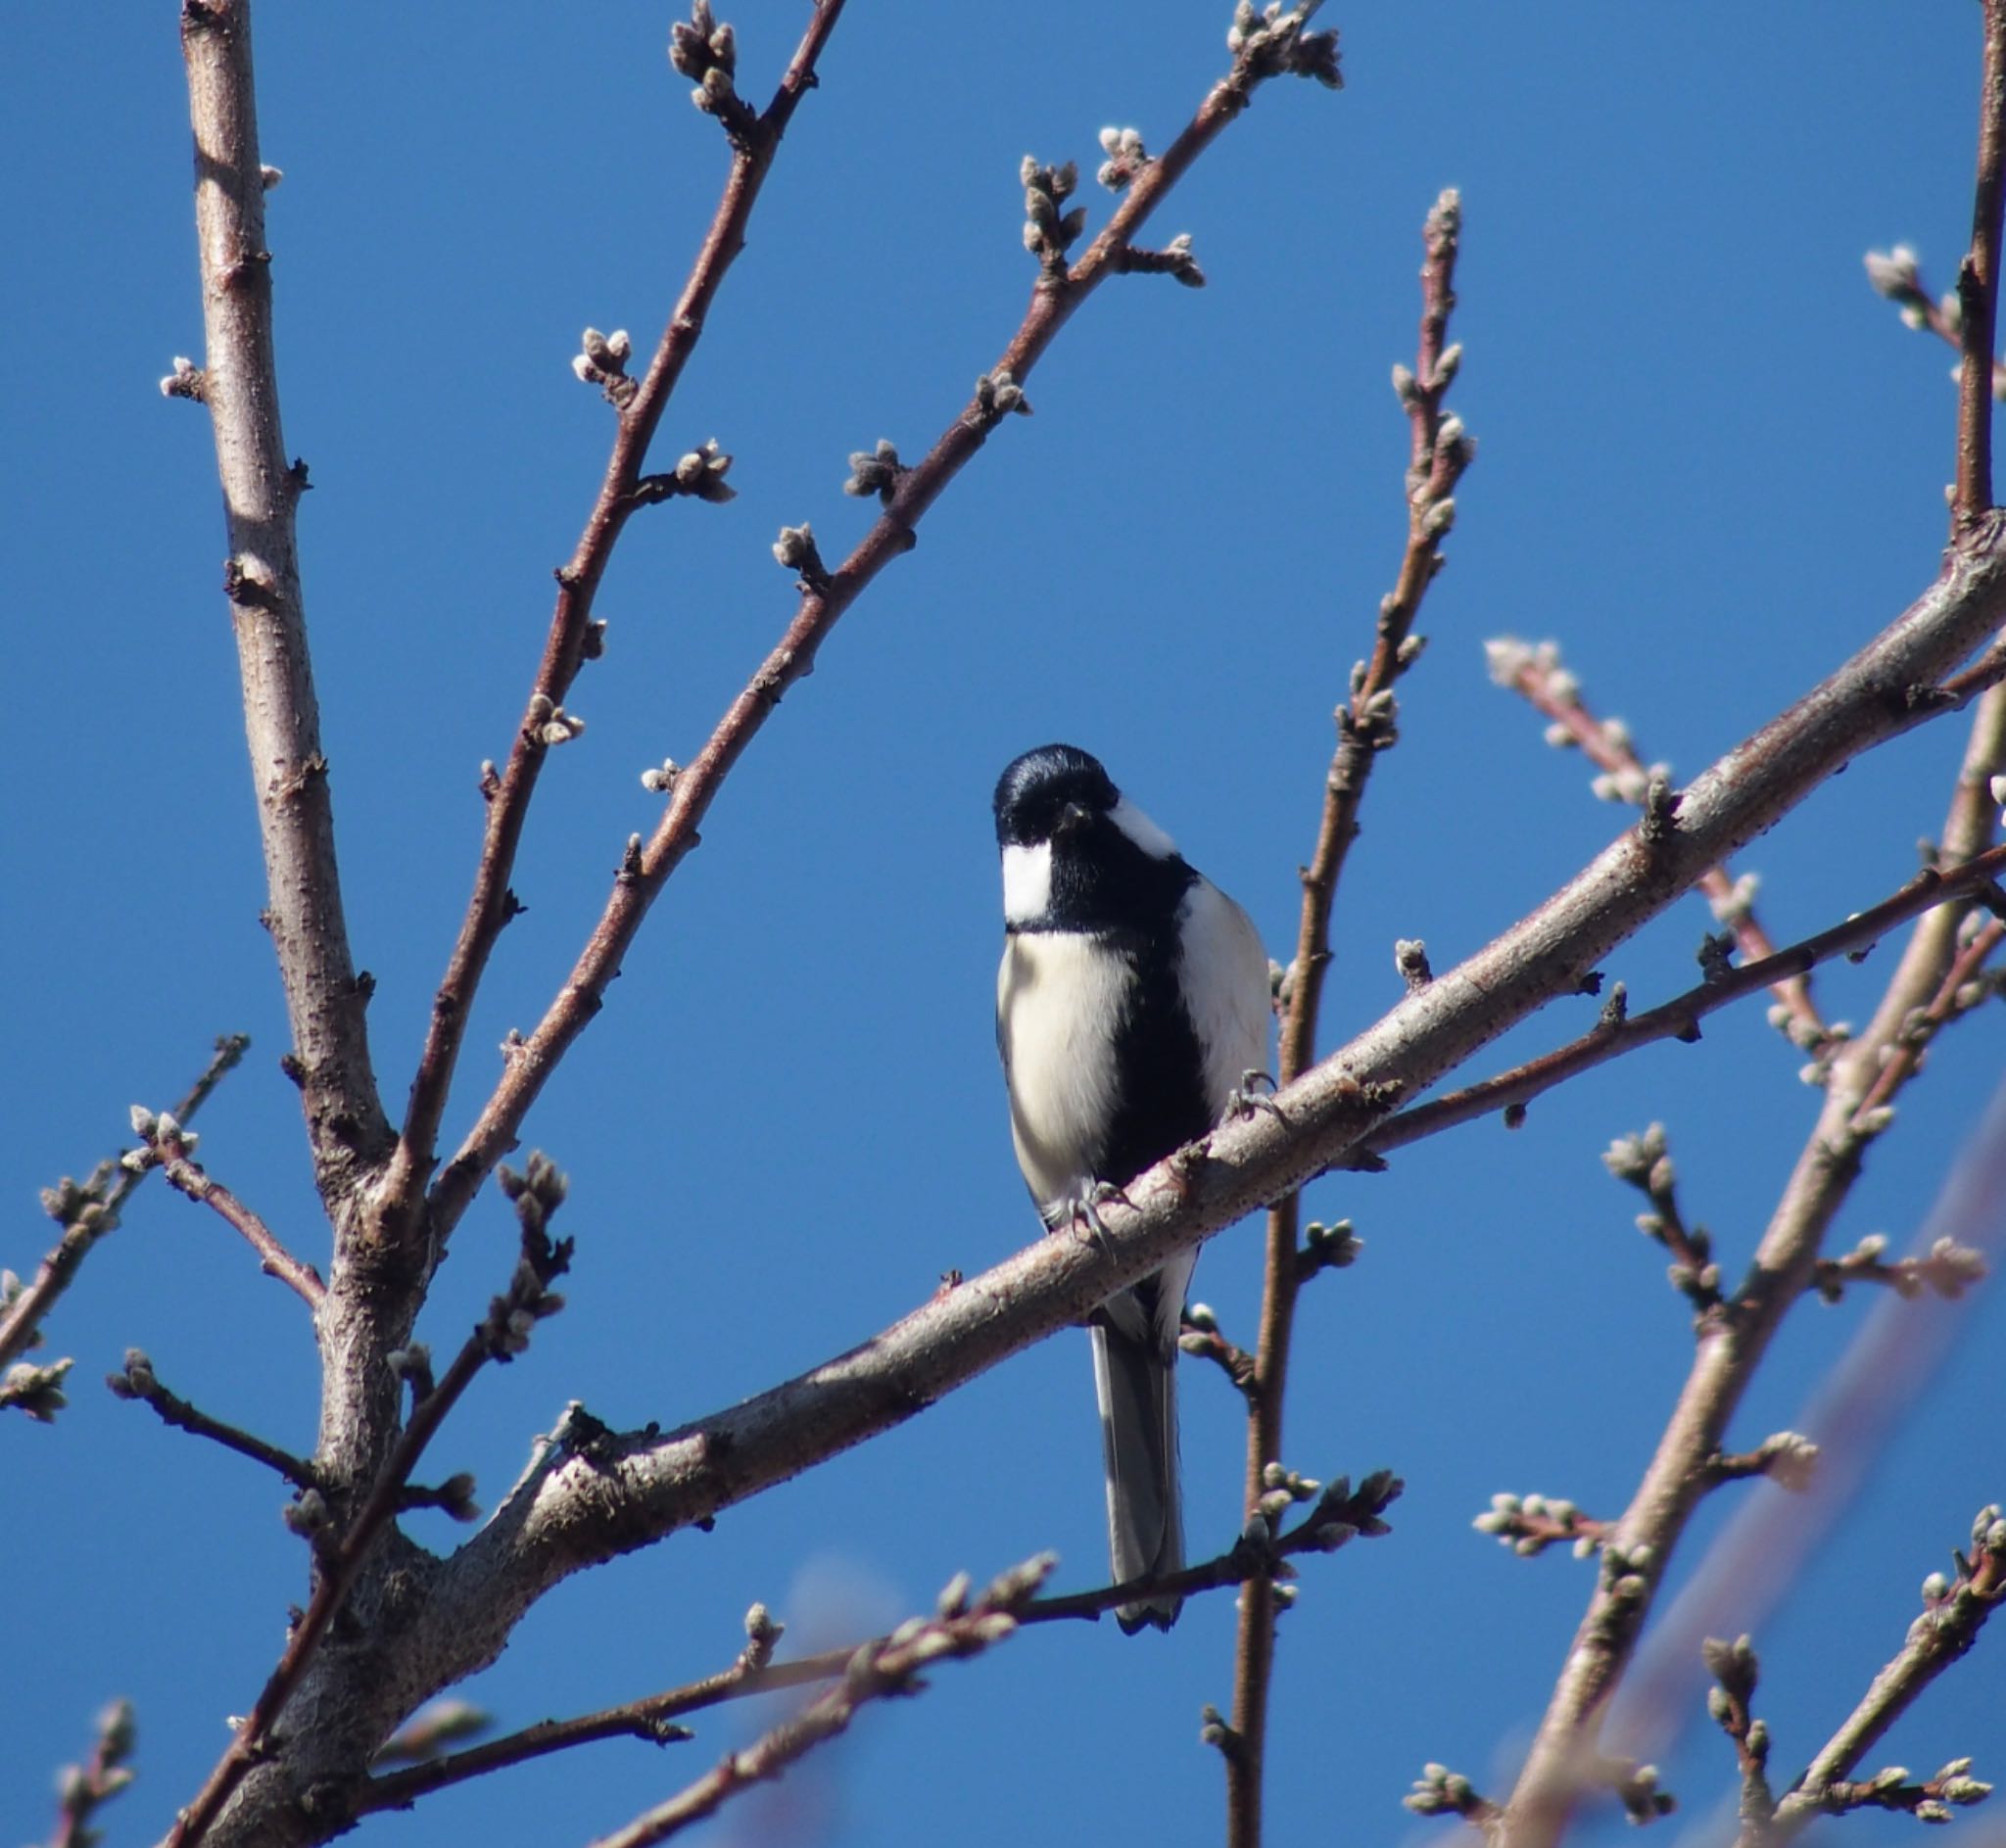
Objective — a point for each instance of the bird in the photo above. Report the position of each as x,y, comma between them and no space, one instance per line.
1132,1005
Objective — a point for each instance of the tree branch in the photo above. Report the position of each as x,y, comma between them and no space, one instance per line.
500,1334
137,1380
1438,454
1734,1339
1977,291
571,1510
824,599
83,1789
91,1211
168,1149
876,1671
1953,1614
572,628
1619,1033
324,1001
1551,689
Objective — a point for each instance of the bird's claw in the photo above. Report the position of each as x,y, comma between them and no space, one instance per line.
1247,1096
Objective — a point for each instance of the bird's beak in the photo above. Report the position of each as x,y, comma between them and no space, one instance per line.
1071,818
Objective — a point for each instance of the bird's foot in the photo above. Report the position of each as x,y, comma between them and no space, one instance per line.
1247,1096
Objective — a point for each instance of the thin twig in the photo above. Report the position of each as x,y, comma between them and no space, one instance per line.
187,1176
1977,291
1954,1611
137,1380
1368,723
1340,1514
83,1788
824,599
261,486
509,797
1619,1033
1553,692
876,1672
502,1333
89,1211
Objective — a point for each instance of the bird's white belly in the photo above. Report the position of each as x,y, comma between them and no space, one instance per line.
1059,999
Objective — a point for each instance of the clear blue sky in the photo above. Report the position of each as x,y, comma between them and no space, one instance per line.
1711,465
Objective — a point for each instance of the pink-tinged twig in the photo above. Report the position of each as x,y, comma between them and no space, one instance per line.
502,1334
325,1001
573,635
91,1211
1553,691
1438,452
824,595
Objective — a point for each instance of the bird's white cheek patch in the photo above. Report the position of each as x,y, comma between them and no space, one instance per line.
1143,831
1026,883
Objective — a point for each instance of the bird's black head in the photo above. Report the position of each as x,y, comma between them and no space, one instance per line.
1035,795
1077,855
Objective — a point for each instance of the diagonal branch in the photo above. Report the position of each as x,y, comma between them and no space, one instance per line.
1339,1516
138,1380
1619,1033
1550,688
824,599
572,1510
324,1000
1438,454
572,629
876,1672
167,1149
91,1210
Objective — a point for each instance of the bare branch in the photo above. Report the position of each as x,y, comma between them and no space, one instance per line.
1340,1515
1954,1611
876,1672
88,1211
324,1000
137,1380
502,1334
1552,689
1438,452
574,636
824,599
83,1788
1977,291
1529,1524
1619,1031
169,1147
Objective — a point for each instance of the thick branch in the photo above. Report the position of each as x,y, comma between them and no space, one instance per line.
500,1334
577,581
324,1002
825,596
573,1510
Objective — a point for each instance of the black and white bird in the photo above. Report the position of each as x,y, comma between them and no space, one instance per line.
1132,1005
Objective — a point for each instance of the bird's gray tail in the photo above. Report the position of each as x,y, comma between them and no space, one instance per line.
1137,1384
